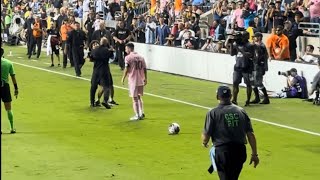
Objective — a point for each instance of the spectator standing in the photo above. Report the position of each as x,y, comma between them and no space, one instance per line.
150,31
314,6
162,32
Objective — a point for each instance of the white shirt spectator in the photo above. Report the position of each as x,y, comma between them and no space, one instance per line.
86,6
183,35
150,35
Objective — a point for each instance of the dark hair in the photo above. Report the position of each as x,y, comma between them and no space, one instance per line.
280,27
130,45
311,47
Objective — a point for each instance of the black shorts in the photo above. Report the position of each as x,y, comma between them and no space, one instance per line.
5,93
55,49
238,75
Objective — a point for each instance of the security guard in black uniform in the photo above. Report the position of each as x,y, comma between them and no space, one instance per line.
121,36
28,29
101,71
228,125
75,43
260,66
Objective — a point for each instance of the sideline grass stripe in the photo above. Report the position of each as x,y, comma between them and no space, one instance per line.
174,100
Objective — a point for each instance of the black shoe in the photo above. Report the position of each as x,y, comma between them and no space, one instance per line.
29,57
34,53
97,103
142,116
78,75
256,101
106,105
12,131
52,65
247,103
234,102
265,101
113,102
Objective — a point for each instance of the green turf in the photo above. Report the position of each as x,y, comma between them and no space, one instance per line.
60,137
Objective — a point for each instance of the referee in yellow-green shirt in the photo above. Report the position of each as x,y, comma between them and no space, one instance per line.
6,70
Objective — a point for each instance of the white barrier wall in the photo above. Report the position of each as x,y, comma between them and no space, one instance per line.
213,66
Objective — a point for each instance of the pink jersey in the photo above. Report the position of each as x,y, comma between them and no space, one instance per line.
237,16
315,9
136,65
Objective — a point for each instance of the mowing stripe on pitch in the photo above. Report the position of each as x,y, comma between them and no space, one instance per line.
175,100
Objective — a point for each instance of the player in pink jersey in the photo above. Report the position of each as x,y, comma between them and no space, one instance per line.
136,70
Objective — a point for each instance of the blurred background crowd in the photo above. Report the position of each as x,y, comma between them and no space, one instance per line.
206,25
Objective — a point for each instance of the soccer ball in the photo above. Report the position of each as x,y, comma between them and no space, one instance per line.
174,128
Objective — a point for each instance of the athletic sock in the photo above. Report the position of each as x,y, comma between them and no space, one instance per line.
10,117
140,106
136,106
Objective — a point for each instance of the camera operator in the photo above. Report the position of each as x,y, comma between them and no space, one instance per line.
316,84
260,66
244,52
296,85
189,42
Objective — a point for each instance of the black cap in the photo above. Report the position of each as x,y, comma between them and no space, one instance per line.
224,91
258,34
293,70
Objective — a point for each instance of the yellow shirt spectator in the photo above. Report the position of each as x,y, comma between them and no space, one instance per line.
251,33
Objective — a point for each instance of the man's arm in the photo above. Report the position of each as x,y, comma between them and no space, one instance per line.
208,125
125,73
145,76
254,154
14,81
315,83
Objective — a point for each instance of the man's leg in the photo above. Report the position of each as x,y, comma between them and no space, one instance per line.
31,47
39,42
64,56
141,110
6,98
100,93
121,56
93,89
237,76
247,80
135,104
76,60
106,97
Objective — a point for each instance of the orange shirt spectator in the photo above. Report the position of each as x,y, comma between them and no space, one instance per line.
65,28
278,45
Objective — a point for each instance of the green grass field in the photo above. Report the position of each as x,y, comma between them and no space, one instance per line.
60,137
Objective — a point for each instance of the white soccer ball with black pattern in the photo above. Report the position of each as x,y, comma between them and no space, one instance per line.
174,128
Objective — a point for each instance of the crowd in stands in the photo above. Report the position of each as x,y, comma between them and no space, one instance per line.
179,23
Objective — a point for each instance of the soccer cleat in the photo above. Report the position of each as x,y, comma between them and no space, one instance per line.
13,131
106,105
265,101
135,118
142,116
256,101
52,65
97,103
113,102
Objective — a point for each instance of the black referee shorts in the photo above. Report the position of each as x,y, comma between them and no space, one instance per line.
5,93
229,159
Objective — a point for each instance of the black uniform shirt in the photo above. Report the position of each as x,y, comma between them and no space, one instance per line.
76,38
122,33
227,124
100,57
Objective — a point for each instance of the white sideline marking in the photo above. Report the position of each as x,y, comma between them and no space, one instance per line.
175,100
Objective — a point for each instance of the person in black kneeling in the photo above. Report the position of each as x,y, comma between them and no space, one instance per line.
76,40
100,55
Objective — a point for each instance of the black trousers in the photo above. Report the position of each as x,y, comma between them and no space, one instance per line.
29,42
34,42
78,59
65,56
293,54
120,53
229,159
95,81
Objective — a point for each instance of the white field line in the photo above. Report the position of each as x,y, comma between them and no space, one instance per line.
175,100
